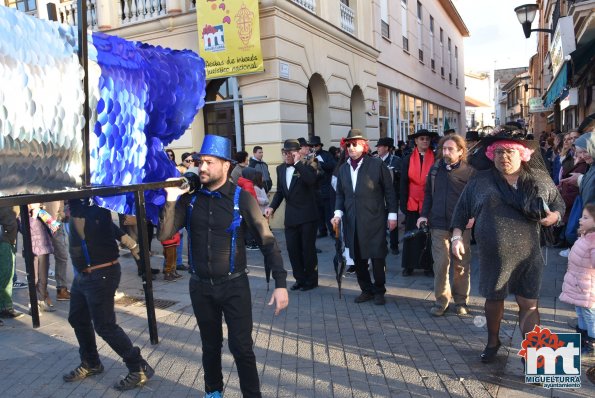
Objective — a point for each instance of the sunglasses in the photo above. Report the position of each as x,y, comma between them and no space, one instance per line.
351,144
189,160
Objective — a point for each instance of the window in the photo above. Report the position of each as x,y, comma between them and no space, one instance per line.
442,52
383,111
220,116
22,5
384,26
449,61
420,41
404,29
457,66
433,64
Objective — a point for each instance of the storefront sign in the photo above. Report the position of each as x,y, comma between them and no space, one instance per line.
229,37
563,43
536,105
570,100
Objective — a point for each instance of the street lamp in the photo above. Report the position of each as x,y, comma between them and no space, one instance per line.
526,15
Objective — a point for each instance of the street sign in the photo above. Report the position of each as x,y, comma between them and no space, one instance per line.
536,105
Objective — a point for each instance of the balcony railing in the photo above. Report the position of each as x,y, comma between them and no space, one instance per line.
309,5
347,19
67,13
133,11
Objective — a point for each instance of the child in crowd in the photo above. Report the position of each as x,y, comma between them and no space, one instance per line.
41,223
579,282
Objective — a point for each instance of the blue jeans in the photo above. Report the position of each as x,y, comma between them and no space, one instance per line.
586,320
92,307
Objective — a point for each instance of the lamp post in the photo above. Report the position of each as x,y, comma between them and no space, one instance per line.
526,15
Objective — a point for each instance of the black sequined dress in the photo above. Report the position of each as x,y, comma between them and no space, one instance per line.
508,243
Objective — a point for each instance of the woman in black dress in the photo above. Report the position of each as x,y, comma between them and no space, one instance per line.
509,201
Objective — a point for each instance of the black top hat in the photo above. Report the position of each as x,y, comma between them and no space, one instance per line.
291,145
355,134
472,135
315,140
302,141
386,141
424,132
509,132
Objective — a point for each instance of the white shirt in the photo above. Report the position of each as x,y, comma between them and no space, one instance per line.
289,174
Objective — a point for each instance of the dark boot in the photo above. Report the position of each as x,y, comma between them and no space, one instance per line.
135,379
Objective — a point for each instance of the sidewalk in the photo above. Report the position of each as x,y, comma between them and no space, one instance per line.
322,346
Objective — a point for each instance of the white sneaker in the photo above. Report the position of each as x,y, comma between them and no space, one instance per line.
564,253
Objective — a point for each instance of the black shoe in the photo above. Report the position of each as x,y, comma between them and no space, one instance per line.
181,267
154,271
489,353
318,251
305,288
407,272
429,272
82,372
295,286
350,270
362,298
379,299
135,379
11,313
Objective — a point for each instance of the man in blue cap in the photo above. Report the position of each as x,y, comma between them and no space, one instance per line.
216,215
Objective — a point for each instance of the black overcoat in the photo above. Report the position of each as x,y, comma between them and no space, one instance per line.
366,209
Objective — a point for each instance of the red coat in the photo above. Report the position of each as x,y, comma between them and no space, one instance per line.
248,186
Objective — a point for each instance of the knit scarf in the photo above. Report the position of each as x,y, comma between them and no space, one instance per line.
417,174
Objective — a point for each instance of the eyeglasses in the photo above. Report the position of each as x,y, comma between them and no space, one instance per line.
189,160
505,151
351,144
285,153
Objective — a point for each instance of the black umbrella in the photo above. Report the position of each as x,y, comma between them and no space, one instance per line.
339,261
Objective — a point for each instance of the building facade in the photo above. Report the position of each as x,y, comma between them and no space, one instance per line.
479,105
563,65
420,67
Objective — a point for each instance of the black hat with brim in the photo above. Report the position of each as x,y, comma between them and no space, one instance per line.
315,140
355,134
302,141
424,132
291,145
472,135
385,141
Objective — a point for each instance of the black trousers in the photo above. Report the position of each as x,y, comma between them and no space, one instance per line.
92,307
417,252
363,275
231,299
325,213
301,247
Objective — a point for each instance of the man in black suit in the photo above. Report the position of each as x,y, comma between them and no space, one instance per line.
384,147
367,204
325,194
296,183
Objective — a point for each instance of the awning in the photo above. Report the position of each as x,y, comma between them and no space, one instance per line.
558,88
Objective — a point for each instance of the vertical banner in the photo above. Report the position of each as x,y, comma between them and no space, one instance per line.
229,37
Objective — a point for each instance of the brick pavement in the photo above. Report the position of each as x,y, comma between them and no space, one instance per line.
322,346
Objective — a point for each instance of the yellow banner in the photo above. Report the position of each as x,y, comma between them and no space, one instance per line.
229,37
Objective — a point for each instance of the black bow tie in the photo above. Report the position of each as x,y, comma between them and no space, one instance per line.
206,192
